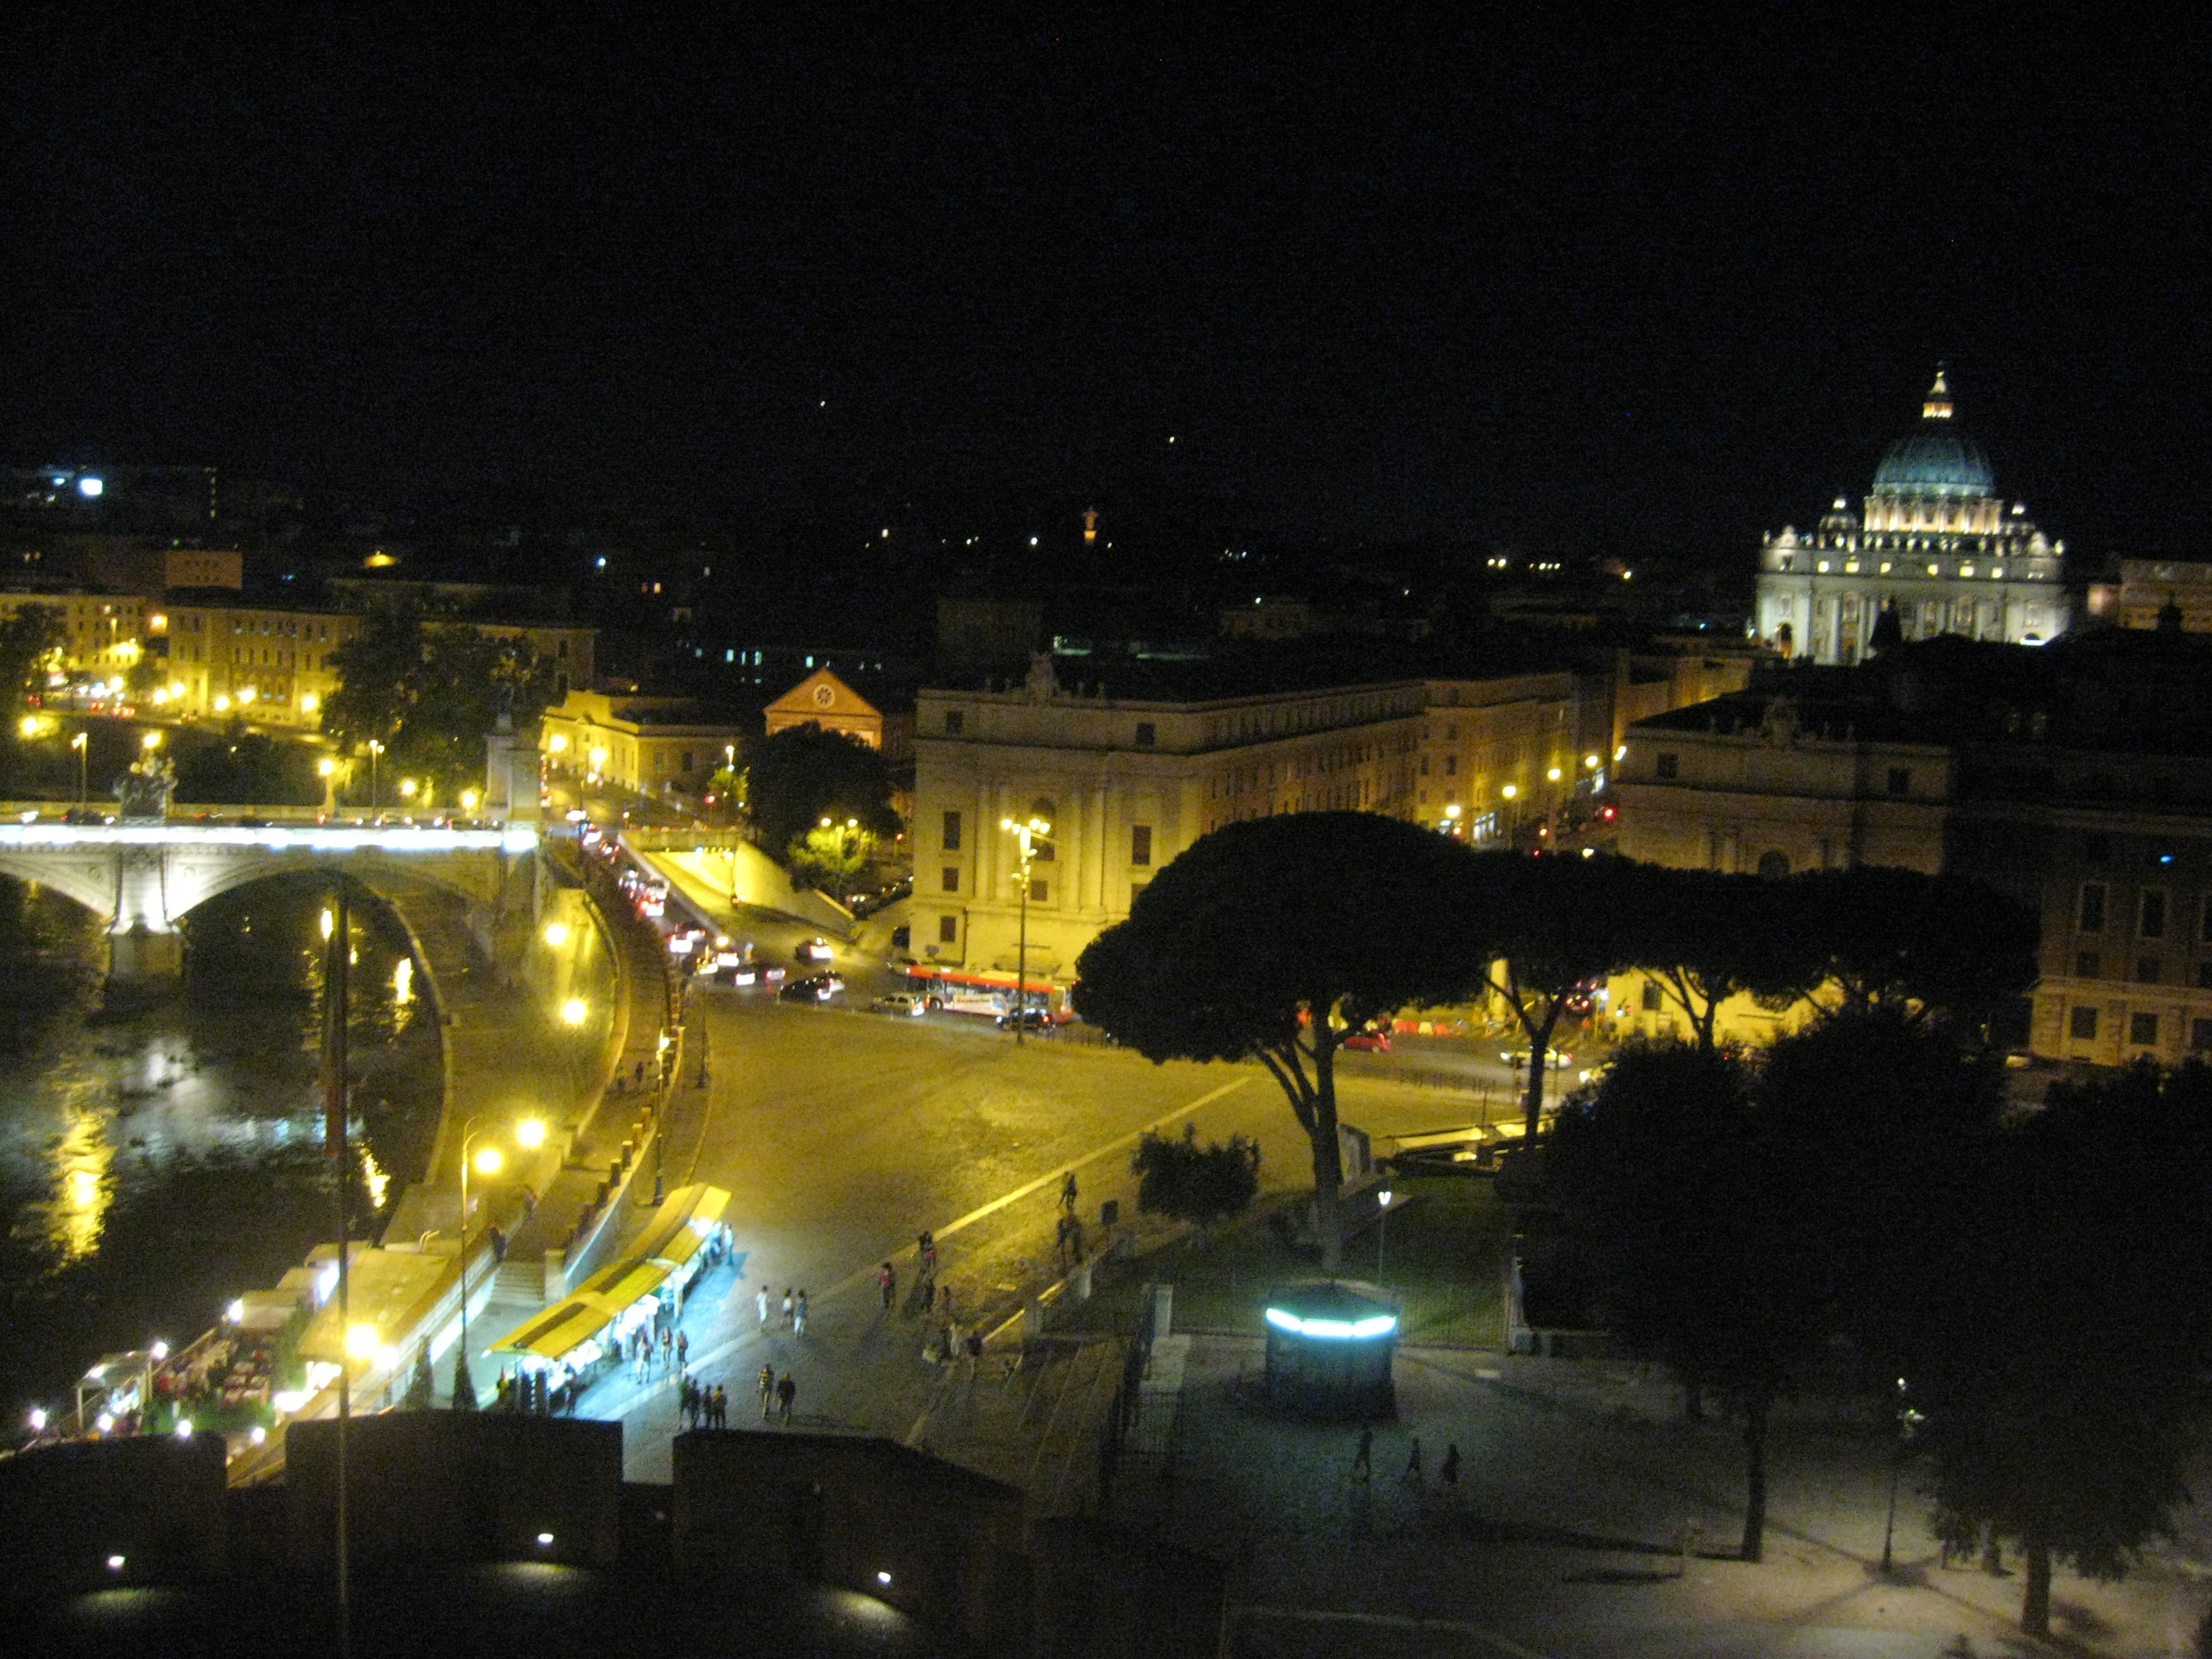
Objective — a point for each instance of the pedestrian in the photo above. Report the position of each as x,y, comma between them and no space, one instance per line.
682,1350
929,1253
1450,1469
887,1282
644,1361
945,1301
688,1402
1067,1193
766,1390
787,1307
721,1406
785,1392
667,1351
1363,1460
1059,1238
798,1315
760,1300
929,1293
1412,1475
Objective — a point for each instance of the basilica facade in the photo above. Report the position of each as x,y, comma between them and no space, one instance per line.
1934,550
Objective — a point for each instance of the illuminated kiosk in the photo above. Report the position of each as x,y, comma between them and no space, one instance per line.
1329,1342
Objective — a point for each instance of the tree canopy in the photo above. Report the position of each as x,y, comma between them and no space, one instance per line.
1276,939
795,778
431,692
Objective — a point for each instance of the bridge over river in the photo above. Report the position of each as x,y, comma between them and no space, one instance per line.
141,877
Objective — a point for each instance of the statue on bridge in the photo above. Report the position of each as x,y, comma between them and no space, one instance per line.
143,792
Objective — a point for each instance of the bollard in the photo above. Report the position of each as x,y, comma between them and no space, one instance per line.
1109,1213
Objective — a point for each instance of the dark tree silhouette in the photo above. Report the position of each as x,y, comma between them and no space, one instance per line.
1276,939
1549,926
1704,937
1191,1183
802,774
2064,1370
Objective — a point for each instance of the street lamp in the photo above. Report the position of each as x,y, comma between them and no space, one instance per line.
374,749
488,1161
81,743
1381,1229
1908,1424
1030,832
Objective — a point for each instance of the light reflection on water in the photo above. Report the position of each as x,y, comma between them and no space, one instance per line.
154,1165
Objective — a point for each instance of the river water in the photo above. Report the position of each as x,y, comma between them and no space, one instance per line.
155,1163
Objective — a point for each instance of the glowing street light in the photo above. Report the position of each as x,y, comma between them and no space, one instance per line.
1032,832
150,741
572,1012
556,934
376,749
81,744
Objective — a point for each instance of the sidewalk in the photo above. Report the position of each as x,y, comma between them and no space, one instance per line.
1589,1519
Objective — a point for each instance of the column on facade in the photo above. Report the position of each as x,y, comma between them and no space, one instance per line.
1104,817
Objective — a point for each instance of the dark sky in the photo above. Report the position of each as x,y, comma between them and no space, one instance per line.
1524,280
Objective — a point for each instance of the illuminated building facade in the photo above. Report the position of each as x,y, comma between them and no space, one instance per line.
1934,546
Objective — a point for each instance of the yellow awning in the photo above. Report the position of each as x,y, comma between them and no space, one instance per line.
584,1312
688,1210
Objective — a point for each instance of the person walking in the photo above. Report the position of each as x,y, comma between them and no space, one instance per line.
798,1315
785,1392
787,1307
1363,1460
682,1350
1067,1193
1449,1469
1412,1475
760,1300
887,1283
721,1406
766,1391
688,1403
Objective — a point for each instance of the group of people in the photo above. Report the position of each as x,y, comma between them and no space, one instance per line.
794,1309
1362,1462
659,1344
776,1396
705,1407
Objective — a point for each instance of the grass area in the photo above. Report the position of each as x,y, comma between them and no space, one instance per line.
1445,1254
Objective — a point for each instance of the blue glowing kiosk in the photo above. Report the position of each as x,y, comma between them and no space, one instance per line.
1329,1342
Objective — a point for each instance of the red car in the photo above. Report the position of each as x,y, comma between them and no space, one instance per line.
1374,1043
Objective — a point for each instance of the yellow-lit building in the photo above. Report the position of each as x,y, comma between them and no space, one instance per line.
103,634
822,699
644,745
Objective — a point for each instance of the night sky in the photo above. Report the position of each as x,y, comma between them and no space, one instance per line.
1523,281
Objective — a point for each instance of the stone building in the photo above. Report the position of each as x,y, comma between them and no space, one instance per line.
1933,550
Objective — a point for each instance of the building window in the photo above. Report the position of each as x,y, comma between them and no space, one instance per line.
948,930
951,873
1425,766
1451,766
687,767
2082,1025
2148,970
2086,965
950,839
1140,844
1145,734
1669,764
954,719
2092,917
2143,1031
1653,1001
1040,891
2150,922
1900,780
2200,1034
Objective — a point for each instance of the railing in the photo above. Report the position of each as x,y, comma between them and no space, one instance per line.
1128,1396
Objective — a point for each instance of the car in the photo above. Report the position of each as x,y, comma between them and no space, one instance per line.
1030,1019
1555,1059
814,949
1373,1043
901,1002
815,987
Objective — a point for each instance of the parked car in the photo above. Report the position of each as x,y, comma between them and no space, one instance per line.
814,950
1030,1019
1555,1059
815,987
901,1002
1372,1042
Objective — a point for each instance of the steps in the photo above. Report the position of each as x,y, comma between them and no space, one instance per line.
520,1279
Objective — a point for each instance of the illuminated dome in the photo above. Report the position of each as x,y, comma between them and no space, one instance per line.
1936,458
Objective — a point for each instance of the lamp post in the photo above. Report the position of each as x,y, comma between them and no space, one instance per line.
374,749
81,744
1029,832
1908,1421
1381,1229
529,1133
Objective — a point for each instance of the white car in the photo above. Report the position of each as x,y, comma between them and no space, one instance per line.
815,950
